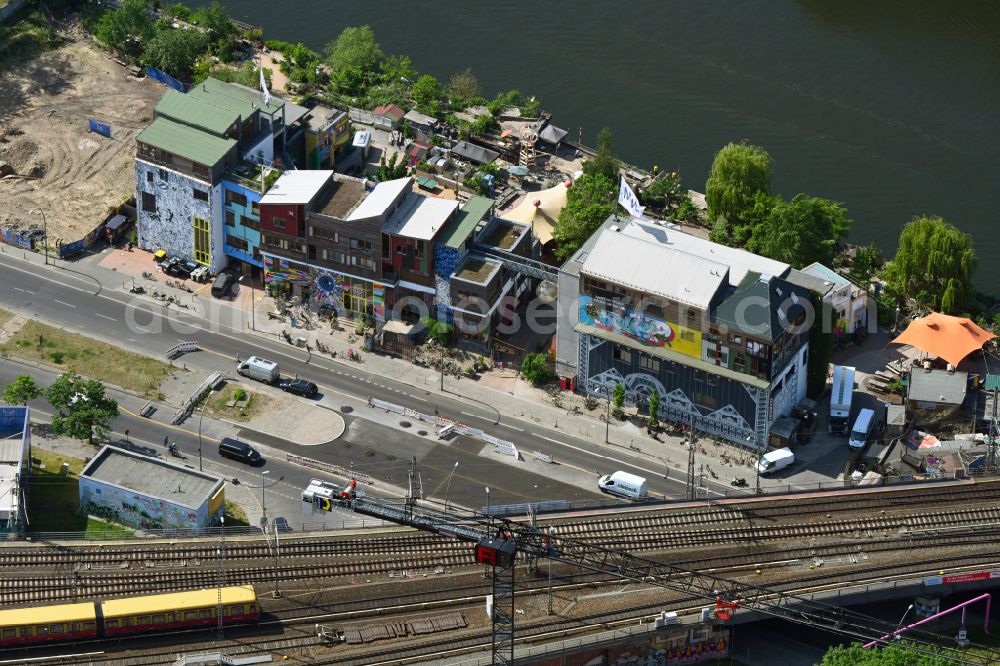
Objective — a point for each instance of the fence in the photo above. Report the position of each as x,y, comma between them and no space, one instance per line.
165,79
69,249
185,410
361,116
329,468
16,239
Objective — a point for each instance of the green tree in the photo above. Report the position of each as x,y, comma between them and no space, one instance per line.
120,27
590,201
739,171
438,330
653,422
604,163
215,20
867,262
84,408
820,349
398,69
934,264
178,10
618,400
463,86
800,231
537,368
21,391
427,92
890,655
666,190
299,63
174,51
354,58
391,170
246,75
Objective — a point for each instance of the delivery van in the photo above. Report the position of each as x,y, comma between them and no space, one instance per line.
861,433
624,485
774,460
260,369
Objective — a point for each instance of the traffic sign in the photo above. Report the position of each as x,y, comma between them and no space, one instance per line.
324,503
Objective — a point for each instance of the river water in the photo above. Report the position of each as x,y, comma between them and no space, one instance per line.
890,106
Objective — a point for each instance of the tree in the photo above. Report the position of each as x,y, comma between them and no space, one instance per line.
739,171
867,262
391,170
438,330
604,163
463,86
618,400
427,91
590,201
215,20
665,191
354,57
800,231
820,349
118,27
174,51
537,368
21,391
299,63
398,69
889,655
246,75
934,264
85,410
653,422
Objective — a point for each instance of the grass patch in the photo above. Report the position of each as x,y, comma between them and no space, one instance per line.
5,317
88,357
30,32
217,405
54,504
235,515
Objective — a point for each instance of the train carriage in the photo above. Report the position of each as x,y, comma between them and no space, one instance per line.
178,610
26,626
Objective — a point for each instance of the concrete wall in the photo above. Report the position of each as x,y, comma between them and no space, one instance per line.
142,512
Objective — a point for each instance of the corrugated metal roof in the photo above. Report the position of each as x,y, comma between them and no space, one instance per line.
939,386
185,141
471,214
194,111
235,98
178,601
654,268
420,217
59,614
992,382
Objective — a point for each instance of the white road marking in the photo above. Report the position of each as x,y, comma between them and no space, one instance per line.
69,305
98,314
477,416
27,291
506,425
416,397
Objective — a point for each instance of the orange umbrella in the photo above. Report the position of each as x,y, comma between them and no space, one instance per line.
950,338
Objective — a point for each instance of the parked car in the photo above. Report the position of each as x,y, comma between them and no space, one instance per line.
222,285
241,451
301,387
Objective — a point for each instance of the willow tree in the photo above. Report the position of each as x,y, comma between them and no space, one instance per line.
934,263
739,171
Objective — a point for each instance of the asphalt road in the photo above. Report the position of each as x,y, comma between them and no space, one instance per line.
76,303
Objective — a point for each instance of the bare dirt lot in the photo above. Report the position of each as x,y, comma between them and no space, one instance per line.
45,102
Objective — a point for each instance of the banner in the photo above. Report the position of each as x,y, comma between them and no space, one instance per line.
99,128
627,198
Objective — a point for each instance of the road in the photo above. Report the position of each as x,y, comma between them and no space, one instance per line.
75,302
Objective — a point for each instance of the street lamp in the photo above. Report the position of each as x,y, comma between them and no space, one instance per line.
263,505
253,301
900,623
201,417
45,232
487,500
756,465
447,491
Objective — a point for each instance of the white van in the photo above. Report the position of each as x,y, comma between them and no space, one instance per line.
774,460
624,485
862,430
260,369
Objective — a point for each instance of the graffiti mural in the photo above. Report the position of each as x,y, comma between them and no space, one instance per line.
347,295
328,289
646,330
664,648
279,271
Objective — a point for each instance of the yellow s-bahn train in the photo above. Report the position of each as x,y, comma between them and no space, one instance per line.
130,615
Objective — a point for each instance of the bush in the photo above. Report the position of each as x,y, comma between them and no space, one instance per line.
239,394
537,368
57,357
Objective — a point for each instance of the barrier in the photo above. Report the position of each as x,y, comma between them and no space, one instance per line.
165,79
69,249
147,409
387,406
524,508
11,237
185,410
182,348
538,455
508,449
330,468
99,128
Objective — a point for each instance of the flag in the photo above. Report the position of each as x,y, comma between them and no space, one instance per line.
263,88
627,198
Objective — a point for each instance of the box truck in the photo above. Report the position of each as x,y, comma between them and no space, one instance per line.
774,460
624,485
840,399
260,369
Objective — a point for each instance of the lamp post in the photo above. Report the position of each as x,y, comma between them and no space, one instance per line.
201,417
607,416
222,577
45,232
900,623
486,567
253,300
756,465
263,504
447,492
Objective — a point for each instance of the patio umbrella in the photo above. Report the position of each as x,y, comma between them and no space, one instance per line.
947,337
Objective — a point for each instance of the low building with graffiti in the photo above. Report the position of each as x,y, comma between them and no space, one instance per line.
15,467
148,493
670,645
716,331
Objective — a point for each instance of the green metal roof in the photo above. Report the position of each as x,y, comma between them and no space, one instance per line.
186,141
470,215
992,382
236,99
195,112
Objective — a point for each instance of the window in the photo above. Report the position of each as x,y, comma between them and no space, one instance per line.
236,198
149,176
163,174
654,310
687,336
340,257
88,626
691,314
41,631
202,244
238,243
255,209
649,363
190,615
200,195
204,613
149,202
200,171
144,619
363,246
230,218
111,624
399,249
57,629
9,633
278,222
237,610
622,354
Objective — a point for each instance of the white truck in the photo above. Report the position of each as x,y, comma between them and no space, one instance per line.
840,399
624,485
774,460
260,369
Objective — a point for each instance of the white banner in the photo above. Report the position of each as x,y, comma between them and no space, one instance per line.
627,198
263,88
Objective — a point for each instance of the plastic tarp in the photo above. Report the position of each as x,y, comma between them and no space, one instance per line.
944,336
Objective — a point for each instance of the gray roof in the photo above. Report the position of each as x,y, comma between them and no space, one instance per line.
152,477
810,282
762,306
573,265
474,153
938,386
552,134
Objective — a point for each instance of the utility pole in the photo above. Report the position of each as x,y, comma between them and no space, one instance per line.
552,532
692,491
277,592
607,417
222,578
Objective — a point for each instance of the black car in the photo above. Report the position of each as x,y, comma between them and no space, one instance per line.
301,387
241,451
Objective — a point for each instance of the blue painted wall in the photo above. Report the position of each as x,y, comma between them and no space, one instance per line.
250,235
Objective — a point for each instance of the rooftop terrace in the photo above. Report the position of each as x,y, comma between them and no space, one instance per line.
476,269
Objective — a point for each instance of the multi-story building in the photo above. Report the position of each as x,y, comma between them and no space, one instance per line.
15,468
848,301
326,131
715,330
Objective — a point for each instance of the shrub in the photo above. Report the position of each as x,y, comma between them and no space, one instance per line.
537,368
57,357
239,394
